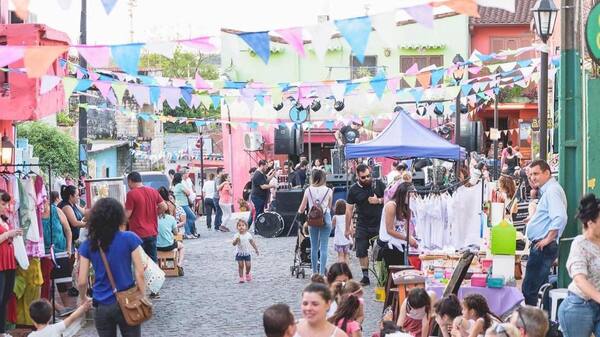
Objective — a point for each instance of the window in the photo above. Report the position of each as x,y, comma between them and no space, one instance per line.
367,68
422,61
500,43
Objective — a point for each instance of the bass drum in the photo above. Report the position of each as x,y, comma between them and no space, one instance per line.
269,224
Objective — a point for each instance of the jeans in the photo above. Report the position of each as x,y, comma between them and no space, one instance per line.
208,208
190,220
259,208
538,270
319,239
218,213
226,209
149,246
108,316
578,317
7,282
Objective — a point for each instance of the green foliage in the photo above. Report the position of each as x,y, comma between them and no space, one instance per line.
52,147
64,119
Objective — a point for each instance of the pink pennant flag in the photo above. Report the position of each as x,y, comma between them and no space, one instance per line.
93,76
10,54
475,70
202,83
141,93
293,36
103,87
96,56
422,14
178,82
22,9
195,101
393,84
48,83
112,98
79,74
203,44
171,95
413,70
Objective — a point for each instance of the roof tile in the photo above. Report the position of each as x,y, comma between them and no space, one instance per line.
496,16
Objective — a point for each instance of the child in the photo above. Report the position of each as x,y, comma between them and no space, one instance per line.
341,289
243,240
415,313
41,314
340,240
474,308
165,242
503,330
346,315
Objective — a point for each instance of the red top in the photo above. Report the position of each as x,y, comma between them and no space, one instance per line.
7,253
143,202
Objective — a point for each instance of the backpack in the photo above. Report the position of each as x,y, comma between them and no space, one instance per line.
316,212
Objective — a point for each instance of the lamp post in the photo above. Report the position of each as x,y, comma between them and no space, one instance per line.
458,76
6,154
544,16
200,144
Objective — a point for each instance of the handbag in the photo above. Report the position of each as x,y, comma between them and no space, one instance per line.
154,276
136,308
316,213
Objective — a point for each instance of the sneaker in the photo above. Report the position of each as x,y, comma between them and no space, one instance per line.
365,281
196,235
224,229
248,277
180,271
154,296
242,280
217,228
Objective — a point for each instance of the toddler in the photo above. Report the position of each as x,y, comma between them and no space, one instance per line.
415,313
341,242
41,314
243,240
476,317
346,316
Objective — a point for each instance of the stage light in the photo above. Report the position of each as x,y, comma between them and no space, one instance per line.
315,106
338,105
278,107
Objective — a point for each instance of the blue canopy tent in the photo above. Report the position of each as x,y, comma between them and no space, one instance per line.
405,137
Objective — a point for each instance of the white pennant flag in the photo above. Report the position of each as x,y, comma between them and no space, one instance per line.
385,26
507,5
508,66
166,49
48,83
527,71
320,37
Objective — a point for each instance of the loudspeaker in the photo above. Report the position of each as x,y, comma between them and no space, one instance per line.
288,201
337,161
289,140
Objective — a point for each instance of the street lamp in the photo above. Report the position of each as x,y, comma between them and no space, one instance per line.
7,151
458,74
200,144
544,17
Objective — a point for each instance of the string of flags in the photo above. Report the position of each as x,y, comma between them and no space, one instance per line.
355,31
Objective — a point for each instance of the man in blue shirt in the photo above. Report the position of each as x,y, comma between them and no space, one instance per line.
543,230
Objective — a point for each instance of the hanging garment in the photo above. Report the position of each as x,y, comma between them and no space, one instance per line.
33,279
466,219
34,239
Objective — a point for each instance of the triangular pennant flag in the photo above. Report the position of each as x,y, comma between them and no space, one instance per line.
171,95
230,99
385,26
260,99
329,124
83,85
195,101
350,86
411,81
417,94
96,56
424,78
103,87
206,100
127,56
140,93
378,83
48,83
524,63
201,83
507,5
508,66
320,38
356,32
108,5
216,101
293,36
422,14
338,90
10,54
38,59
202,44
466,89
69,85
22,9
474,70
436,76
119,89
487,134
413,70
466,7
154,93
276,96
393,84
259,42
186,94
527,71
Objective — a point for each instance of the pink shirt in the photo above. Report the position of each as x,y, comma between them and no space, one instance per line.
225,194
351,326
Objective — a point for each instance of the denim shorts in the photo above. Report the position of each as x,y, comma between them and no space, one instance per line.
239,257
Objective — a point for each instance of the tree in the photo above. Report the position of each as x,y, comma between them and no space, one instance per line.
52,146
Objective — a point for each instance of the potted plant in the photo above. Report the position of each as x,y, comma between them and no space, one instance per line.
379,270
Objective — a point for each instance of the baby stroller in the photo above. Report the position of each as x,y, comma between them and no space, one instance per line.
301,252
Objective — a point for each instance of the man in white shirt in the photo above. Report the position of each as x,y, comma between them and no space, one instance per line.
208,192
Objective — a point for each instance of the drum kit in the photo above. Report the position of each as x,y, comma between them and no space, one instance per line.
269,224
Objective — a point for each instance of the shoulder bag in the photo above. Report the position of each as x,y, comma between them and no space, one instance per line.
136,308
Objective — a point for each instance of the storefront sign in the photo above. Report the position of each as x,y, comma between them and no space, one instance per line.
592,33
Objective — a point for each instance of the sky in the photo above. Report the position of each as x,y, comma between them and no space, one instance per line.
159,20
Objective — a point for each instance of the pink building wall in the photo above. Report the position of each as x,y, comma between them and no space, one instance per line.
481,36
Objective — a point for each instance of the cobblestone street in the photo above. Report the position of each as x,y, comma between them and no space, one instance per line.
208,301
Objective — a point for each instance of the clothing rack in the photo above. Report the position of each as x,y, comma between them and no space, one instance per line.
49,170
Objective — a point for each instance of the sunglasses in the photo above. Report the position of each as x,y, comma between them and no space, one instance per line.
522,320
364,177
500,329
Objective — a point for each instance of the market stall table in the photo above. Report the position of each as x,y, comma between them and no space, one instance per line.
500,300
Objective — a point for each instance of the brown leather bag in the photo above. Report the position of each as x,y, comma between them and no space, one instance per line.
136,308
316,213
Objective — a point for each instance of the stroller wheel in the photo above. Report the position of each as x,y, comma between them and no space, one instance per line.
298,274
293,271
303,273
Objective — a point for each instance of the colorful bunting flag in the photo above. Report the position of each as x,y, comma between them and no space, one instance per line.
424,78
259,42
97,57
38,59
378,83
119,89
385,26
22,9
216,101
507,5
356,32
422,14
293,36
69,85
10,54
109,5
48,83
320,38
127,56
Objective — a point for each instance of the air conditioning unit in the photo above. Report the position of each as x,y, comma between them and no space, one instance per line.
253,141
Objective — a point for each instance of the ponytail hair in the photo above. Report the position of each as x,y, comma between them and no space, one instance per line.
347,310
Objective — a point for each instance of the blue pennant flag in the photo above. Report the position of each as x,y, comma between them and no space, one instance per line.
260,99
417,94
216,101
556,61
496,90
108,5
481,95
356,31
200,123
378,83
284,86
148,80
144,116
127,56
524,63
329,124
350,87
436,76
233,85
252,125
466,89
186,94
83,85
259,42
154,94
